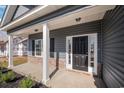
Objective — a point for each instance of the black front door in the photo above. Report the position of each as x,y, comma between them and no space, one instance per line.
80,53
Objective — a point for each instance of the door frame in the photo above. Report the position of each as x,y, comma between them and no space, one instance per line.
90,36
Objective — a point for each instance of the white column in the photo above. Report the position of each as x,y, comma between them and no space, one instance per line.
10,49
45,52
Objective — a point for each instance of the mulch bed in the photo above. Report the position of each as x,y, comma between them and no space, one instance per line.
4,70
15,83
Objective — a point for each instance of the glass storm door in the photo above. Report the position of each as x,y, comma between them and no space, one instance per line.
80,53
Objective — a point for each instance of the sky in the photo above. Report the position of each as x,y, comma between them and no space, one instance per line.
2,8
3,35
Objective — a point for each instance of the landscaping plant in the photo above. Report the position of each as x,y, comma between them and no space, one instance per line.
9,76
4,78
0,65
0,76
26,83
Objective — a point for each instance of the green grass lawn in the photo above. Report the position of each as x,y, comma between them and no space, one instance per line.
17,61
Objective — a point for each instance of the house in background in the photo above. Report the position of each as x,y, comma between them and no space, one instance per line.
20,47
3,49
3,43
80,38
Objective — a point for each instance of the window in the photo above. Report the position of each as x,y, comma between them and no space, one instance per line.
38,47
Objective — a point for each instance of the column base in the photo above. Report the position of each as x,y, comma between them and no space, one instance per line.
45,81
11,66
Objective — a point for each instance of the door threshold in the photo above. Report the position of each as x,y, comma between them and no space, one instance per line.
79,71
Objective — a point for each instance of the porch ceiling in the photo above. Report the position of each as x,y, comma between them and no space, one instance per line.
29,30
87,15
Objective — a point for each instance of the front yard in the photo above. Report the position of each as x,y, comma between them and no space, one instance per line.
17,61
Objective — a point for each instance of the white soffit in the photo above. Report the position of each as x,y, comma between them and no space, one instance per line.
28,30
87,15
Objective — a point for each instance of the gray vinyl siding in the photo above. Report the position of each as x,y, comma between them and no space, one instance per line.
113,47
60,36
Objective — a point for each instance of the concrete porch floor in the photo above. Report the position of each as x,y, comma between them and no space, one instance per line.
62,78
32,69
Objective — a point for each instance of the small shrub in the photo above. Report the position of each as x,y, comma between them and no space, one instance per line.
3,64
0,65
26,83
8,76
0,76
11,75
5,78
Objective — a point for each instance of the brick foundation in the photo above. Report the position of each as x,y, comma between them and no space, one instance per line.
57,63
52,61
